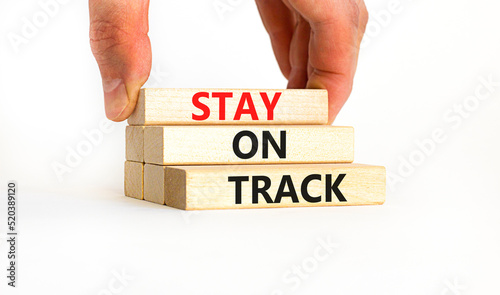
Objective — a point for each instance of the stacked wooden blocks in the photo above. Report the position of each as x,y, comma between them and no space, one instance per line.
196,149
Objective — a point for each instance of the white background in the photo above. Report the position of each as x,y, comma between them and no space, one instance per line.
438,232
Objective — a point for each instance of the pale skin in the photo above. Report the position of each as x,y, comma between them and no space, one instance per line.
316,44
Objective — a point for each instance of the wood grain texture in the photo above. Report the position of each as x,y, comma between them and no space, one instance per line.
163,106
134,143
208,187
154,184
200,145
134,180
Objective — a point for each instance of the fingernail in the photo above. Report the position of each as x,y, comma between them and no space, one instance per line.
115,97
314,84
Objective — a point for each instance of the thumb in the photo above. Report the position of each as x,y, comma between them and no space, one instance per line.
120,44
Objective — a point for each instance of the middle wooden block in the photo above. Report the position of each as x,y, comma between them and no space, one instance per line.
198,145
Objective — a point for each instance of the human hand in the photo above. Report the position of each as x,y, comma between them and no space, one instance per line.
316,43
120,44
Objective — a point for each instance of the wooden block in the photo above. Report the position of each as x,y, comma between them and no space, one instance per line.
265,186
199,145
230,107
154,184
134,180
134,145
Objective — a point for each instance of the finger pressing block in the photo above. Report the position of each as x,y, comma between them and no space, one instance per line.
200,145
264,186
164,106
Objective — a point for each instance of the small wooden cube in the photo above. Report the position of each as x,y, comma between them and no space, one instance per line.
154,184
134,180
134,145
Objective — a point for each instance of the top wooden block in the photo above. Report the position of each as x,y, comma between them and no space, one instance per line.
163,106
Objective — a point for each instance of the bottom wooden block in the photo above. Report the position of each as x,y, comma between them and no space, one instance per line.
264,186
154,183
134,180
